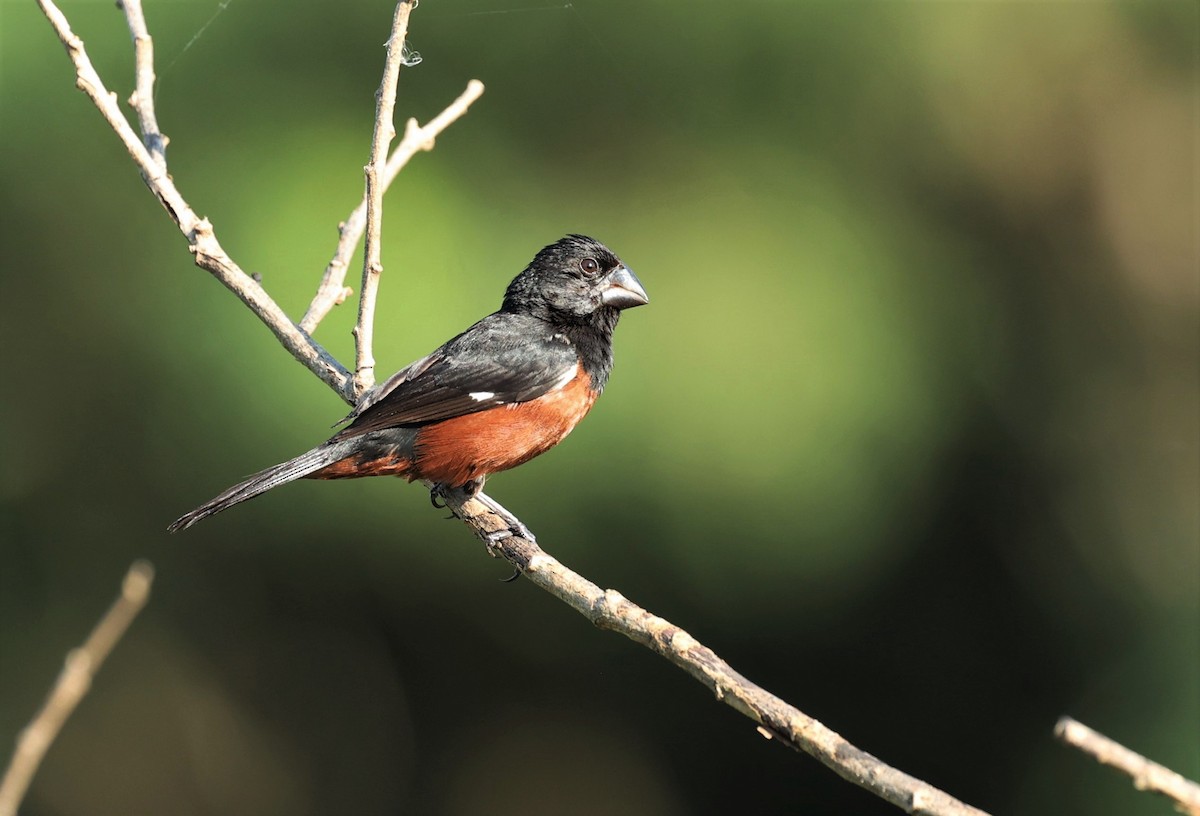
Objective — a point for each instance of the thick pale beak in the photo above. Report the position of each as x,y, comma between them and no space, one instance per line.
623,290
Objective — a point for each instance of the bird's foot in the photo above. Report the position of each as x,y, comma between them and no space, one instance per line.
492,541
442,495
513,526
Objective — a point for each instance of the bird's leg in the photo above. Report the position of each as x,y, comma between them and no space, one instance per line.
440,493
437,497
514,527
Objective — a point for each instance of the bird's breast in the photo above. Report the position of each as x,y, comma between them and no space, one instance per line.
457,450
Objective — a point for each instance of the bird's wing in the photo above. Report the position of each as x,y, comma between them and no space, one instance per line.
500,360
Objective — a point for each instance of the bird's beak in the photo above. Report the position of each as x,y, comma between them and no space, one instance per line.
622,290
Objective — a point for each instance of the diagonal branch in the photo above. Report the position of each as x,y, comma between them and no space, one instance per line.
73,683
332,290
385,131
777,719
202,241
1146,775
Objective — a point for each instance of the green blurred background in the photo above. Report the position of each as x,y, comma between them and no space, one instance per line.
909,432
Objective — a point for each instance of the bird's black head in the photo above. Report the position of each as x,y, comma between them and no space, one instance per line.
576,280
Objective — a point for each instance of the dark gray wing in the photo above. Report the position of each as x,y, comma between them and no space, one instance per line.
502,359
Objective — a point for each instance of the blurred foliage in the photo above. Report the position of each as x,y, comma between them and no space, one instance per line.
909,432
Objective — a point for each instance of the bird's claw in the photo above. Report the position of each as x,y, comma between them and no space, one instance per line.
492,539
514,528
525,533
496,536
518,529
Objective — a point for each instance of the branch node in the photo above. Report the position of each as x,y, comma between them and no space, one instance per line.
538,562
607,609
78,664
681,641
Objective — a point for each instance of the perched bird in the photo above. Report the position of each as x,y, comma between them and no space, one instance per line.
507,389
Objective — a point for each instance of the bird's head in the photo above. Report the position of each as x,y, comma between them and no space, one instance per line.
576,279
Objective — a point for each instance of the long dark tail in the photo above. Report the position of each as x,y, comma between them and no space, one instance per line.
264,480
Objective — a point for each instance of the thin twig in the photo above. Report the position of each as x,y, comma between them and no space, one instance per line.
608,609
332,290
142,99
73,683
384,132
202,242
1146,775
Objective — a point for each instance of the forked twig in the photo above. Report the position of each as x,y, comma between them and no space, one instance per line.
332,290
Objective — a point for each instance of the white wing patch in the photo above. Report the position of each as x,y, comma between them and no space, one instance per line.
480,396
567,376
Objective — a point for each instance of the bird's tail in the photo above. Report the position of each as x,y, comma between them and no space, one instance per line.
264,480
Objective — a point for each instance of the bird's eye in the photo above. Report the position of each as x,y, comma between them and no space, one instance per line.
590,266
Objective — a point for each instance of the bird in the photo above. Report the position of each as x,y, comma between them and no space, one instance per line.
507,389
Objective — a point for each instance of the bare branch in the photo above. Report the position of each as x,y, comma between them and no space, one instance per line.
72,684
142,100
1146,775
202,242
608,609
88,81
385,131
332,290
